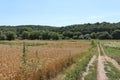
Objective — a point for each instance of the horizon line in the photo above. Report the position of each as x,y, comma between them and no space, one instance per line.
59,26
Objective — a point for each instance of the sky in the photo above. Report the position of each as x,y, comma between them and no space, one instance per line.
58,12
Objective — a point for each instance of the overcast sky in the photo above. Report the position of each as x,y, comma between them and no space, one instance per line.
58,12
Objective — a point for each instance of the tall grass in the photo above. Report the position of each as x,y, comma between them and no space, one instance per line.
24,61
69,60
31,68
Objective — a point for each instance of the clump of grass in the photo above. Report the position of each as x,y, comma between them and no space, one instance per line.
93,43
42,76
24,62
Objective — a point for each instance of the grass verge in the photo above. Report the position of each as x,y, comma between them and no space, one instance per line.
113,53
76,73
112,72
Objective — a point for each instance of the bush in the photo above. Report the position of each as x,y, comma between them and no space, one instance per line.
25,35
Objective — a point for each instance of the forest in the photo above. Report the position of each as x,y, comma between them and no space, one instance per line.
103,31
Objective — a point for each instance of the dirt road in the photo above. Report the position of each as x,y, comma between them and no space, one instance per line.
100,69
102,60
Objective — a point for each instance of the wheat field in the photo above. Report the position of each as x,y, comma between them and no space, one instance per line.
37,60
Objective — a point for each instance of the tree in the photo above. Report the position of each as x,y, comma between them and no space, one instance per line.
116,34
87,36
45,35
68,34
77,31
104,35
25,35
76,35
35,35
2,36
93,35
11,35
54,36
81,37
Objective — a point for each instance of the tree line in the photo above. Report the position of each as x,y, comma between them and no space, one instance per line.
97,30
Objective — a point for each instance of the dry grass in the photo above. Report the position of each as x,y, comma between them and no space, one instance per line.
43,61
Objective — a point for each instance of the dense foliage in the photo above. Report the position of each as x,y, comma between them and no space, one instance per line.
102,30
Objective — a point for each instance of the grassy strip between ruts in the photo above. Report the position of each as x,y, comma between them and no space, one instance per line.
113,53
112,72
92,75
76,73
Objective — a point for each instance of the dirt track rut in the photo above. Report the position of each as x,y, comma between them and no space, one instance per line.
101,72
